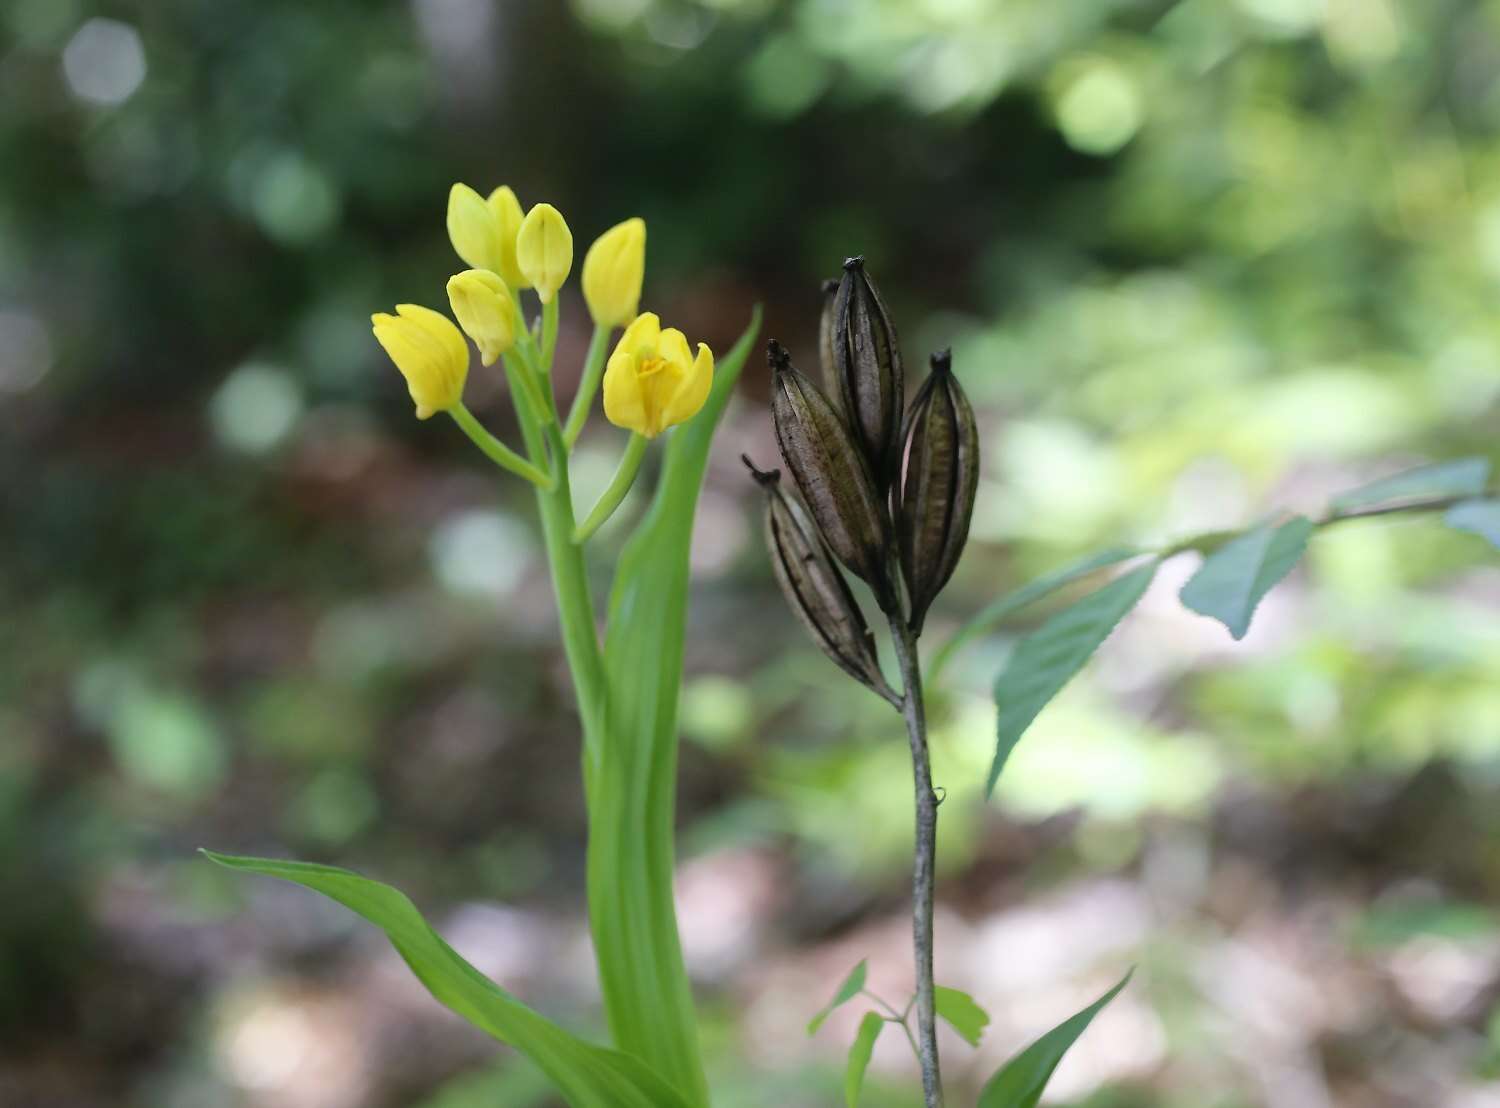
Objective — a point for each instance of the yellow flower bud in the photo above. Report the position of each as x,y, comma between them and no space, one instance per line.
507,211
482,305
483,232
544,250
652,382
612,273
430,353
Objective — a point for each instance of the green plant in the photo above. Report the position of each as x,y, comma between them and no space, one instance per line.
887,497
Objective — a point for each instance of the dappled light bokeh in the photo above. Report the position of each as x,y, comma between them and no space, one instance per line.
1199,262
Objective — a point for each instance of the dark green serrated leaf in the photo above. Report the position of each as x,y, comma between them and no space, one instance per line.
588,1076
962,1013
1045,660
1464,477
1231,582
1481,517
847,991
860,1053
993,612
1020,1082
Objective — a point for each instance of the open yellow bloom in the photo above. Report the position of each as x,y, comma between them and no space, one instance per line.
484,309
612,273
652,382
429,351
544,250
483,232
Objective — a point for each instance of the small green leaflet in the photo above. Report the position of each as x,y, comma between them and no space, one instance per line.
588,1076
1045,660
1232,580
962,1014
1482,517
1020,1082
860,1053
847,992
1465,477
1029,593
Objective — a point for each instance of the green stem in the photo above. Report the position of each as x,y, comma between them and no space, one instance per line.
549,332
497,452
624,478
588,385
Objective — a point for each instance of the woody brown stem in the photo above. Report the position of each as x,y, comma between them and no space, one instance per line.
924,858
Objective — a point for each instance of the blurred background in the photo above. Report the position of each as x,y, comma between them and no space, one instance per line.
1198,261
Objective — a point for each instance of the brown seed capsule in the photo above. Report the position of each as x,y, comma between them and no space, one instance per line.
831,385
831,474
815,589
867,362
937,496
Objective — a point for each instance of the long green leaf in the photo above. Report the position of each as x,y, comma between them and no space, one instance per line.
632,790
848,989
588,1076
996,610
1046,660
1464,477
1020,1082
860,1053
1233,579
1482,517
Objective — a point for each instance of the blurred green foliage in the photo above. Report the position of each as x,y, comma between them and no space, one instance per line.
1197,260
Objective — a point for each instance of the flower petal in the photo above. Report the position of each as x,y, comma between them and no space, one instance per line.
624,401
692,393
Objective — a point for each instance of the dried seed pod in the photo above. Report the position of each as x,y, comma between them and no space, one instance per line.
867,362
937,496
815,589
831,386
831,474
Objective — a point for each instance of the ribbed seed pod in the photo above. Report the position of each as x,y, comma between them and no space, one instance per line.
867,361
831,386
937,496
831,474
815,589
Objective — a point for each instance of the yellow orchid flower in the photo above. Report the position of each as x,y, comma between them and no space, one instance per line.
544,250
429,351
612,273
484,309
652,382
483,232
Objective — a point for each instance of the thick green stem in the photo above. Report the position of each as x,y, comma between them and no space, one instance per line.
924,864
588,385
619,486
497,452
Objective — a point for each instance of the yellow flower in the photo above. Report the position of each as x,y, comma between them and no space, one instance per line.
612,273
544,250
430,353
483,232
482,305
652,382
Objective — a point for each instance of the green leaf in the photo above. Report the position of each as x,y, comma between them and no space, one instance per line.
1232,580
632,786
588,1076
1482,517
847,991
860,1054
962,1014
1014,601
1019,1083
1465,477
1045,660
